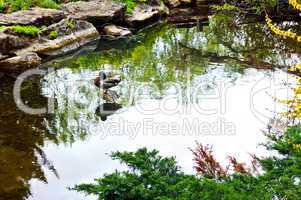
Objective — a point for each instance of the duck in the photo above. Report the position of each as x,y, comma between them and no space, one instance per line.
107,109
104,82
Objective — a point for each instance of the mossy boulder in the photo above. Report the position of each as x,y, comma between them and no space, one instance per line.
34,16
70,35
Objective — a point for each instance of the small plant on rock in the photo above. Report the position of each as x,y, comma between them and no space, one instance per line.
53,35
71,24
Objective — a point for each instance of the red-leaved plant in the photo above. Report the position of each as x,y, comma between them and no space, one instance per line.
207,165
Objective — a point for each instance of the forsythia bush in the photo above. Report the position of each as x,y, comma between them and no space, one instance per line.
294,104
277,31
285,34
295,4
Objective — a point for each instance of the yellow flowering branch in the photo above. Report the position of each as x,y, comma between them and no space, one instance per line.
282,33
296,68
295,4
295,146
294,103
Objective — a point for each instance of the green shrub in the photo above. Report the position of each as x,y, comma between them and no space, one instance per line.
150,176
2,6
53,35
26,30
130,5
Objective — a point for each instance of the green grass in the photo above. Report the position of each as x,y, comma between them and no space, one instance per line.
26,30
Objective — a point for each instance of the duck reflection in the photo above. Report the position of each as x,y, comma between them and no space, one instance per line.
107,109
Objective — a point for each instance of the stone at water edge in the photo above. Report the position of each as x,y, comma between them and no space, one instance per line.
20,62
9,42
67,40
144,14
96,12
178,3
173,3
116,31
2,57
34,16
202,3
186,2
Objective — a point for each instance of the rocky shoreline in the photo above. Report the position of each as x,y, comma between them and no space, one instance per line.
76,24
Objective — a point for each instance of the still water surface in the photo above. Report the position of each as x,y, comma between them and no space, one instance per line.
215,85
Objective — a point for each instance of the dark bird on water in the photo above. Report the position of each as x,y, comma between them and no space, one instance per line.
107,109
105,82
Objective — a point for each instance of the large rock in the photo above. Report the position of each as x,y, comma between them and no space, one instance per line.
178,3
20,62
70,35
145,14
97,12
185,17
202,3
186,2
34,16
9,42
3,56
173,3
116,31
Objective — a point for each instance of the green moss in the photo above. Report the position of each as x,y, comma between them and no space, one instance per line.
53,35
16,5
26,30
47,4
130,5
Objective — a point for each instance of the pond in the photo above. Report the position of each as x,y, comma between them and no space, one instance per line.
216,83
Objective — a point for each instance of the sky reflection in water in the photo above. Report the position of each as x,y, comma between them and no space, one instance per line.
231,61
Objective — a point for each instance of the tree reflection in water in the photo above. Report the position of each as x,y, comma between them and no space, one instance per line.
156,58
22,137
